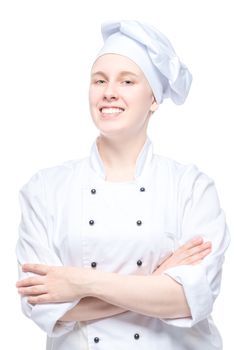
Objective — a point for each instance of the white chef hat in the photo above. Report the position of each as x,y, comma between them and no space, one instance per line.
153,53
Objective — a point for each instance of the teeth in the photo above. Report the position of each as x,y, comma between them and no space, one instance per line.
111,110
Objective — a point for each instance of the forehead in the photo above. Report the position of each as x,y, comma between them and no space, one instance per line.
115,63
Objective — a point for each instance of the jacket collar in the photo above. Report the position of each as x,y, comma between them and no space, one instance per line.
143,160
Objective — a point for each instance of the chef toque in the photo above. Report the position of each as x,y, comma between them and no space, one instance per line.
153,53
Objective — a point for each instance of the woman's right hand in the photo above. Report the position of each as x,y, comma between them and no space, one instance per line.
190,253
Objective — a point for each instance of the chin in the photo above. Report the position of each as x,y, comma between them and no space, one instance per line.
112,130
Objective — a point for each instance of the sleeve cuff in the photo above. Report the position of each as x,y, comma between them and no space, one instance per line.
46,316
62,327
197,292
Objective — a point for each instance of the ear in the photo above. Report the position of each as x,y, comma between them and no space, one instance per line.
154,105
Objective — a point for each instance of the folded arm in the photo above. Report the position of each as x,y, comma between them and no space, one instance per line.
91,308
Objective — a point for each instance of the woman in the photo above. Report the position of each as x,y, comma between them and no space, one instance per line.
115,249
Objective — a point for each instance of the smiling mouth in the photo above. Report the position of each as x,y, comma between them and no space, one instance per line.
111,110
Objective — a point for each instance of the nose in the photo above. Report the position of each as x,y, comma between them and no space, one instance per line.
110,92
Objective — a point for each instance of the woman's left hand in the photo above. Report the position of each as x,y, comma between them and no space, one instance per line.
190,253
54,284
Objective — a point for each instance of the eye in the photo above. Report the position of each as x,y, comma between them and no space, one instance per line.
100,81
128,82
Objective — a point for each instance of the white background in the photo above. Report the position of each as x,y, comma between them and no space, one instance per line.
47,48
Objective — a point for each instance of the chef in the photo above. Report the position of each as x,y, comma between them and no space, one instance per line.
124,249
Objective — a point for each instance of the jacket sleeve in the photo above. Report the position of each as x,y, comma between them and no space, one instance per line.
199,213
34,246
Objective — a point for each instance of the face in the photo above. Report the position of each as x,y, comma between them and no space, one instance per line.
120,97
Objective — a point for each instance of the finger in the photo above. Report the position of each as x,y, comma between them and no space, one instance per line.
31,281
190,244
39,269
35,290
196,257
40,299
191,248
44,298
197,249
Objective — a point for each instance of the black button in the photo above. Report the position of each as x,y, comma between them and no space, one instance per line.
94,264
139,262
139,222
93,191
142,189
96,339
136,336
91,222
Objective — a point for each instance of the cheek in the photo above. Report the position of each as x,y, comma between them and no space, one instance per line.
94,96
142,94
142,101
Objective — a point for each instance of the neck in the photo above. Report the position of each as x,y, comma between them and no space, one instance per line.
119,156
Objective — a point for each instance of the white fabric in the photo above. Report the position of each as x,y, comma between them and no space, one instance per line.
153,53
178,203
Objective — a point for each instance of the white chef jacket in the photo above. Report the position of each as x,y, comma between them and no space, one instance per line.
72,216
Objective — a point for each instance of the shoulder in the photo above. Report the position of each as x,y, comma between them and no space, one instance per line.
186,175
55,175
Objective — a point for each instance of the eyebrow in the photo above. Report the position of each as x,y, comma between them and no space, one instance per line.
120,74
